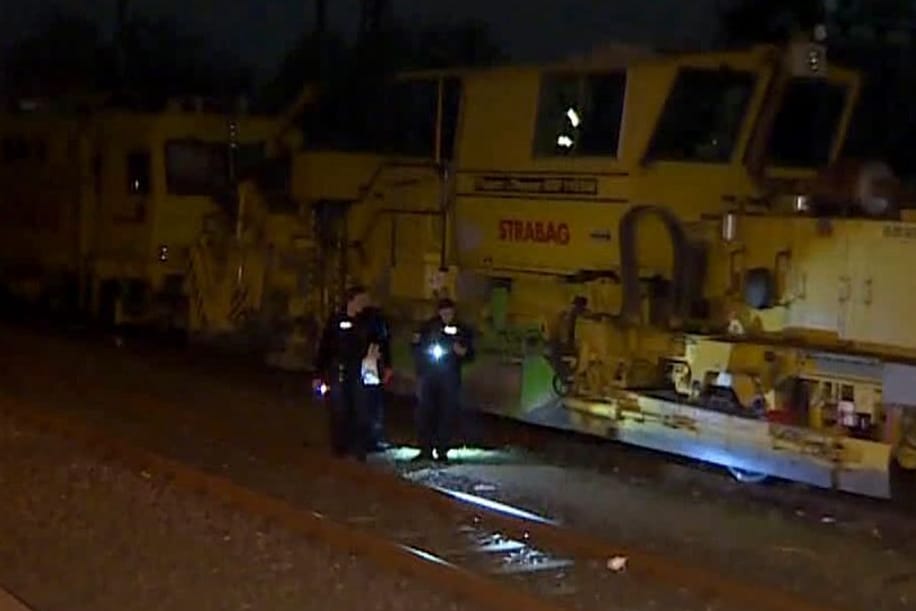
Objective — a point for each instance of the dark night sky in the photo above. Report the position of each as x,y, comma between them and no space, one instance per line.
262,30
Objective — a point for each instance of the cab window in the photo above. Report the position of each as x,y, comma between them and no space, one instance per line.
411,124
14,148
249,157
138,173
412,110
391,117
806,126
702,116
580,114
196,168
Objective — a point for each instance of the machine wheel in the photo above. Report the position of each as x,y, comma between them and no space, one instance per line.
560,386
747,477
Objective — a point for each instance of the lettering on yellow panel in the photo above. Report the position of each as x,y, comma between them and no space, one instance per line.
543,232
536,185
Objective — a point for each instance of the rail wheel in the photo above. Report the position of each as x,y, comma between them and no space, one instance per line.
561,386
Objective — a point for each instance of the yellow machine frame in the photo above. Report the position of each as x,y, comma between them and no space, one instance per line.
97,217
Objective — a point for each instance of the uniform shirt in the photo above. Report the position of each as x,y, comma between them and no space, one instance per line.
343,346
434,347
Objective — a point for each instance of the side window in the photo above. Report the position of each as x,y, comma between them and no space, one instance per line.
412,121
14,148
580,114
138,173
40,150
413,111
198,168
248,158
702,116
807,123
451,107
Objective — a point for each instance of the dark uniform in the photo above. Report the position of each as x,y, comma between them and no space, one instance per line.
374,394
439,369
344,343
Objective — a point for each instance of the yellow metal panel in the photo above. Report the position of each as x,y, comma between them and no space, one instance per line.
883,286
818,277
333,176
553,237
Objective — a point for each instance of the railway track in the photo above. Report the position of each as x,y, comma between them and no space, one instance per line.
492,554
8,602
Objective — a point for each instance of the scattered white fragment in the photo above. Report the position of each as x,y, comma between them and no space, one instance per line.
146,475
828,520
617,563
484,488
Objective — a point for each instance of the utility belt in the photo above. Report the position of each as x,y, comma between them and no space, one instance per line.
344,372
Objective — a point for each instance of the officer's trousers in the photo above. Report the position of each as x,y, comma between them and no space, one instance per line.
437,416
374,398
349,419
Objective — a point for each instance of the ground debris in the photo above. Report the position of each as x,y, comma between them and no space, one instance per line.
617,564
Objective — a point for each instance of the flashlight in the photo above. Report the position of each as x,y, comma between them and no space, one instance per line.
322,389
436,351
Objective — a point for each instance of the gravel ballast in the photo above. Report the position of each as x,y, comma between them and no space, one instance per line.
77,534
837,549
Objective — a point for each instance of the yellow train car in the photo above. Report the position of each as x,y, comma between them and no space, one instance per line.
102,207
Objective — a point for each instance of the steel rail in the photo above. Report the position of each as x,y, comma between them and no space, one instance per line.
388,555
705,584
9,602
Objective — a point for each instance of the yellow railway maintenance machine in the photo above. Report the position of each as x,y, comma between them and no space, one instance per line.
101,207
577,212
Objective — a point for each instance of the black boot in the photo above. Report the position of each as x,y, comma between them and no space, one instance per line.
423,456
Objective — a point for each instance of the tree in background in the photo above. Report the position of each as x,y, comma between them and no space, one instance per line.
161,60
441,45
756,21
352,76
66,57
147,62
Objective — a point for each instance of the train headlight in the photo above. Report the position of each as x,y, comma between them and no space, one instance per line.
322,389
163,253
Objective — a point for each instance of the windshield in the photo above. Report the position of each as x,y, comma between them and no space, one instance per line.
806,126
702,116
580,114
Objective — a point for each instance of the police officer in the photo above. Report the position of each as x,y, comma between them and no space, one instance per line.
373,387
339,366
441,347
